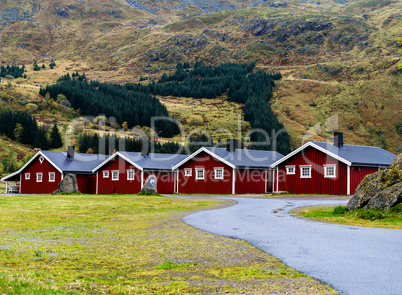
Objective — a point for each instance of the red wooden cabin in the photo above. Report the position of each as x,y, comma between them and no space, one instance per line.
44,171
226,171
126,172
328,168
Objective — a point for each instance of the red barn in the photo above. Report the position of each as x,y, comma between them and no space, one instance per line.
214,170
126,172
44,171
328,168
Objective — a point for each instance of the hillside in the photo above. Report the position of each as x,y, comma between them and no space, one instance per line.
338,58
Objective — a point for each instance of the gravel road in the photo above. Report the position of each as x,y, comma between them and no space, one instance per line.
353,260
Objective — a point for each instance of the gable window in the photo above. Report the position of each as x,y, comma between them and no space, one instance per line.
52,177
188,172
305,171
218,173
330,171
290,170
199,173
27,176
115,175
105,174
130,174
41,159
39,177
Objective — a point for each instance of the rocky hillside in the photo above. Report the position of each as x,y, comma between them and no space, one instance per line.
338,57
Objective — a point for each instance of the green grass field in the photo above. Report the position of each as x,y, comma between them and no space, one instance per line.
128,244
391,218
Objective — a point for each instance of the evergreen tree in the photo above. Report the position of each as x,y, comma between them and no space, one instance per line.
55,137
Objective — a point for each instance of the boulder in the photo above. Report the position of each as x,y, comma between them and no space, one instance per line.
68,185
150,185
382,189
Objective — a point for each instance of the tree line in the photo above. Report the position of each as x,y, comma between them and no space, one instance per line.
113,100
22,127
12,70
89,143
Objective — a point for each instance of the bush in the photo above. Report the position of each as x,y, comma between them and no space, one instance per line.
339,210
195,120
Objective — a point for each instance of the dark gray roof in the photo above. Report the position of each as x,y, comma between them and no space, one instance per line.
358,154
154,160
247,158
81,163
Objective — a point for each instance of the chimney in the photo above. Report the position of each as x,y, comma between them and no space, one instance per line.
231,145
70,152
338,139
145,148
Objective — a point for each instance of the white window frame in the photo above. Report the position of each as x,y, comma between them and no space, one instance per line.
52,179
326,170
301,171
199,170
113,175
41,159
39,177
105,173
128,174
216,172
188,172
288,170
27,176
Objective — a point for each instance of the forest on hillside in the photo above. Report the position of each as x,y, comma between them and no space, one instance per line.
136,104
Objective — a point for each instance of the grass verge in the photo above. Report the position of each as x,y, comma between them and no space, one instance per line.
128,244
391,218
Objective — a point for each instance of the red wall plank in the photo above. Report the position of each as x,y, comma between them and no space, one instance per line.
249,181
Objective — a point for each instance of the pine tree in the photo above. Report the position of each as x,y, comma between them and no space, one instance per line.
55,137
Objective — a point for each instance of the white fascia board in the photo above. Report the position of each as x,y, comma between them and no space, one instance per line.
29,162
310,143
209,153
114,156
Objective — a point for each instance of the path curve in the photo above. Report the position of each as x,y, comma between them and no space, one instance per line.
353,260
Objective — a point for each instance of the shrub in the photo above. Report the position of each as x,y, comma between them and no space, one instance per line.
339,210
195,120
350,127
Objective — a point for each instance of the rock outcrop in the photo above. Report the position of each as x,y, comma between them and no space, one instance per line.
380,190
150,185
67,185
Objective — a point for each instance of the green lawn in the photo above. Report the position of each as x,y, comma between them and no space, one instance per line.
360,217
128,244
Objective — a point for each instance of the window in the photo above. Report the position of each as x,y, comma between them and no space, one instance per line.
130,174
115,175
188,172
39,177
199,173
305,171
218,173
41,159
27,176
290,169
52,177
330,171
105,174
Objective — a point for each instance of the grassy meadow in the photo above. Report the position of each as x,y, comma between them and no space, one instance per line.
128,244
